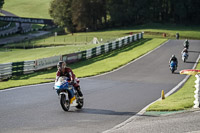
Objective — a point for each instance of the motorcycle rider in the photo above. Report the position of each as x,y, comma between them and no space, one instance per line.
185,50
66,71
186,44
173,58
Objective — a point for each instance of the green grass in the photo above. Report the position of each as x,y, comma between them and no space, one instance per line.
181,100
33,54
28,8
83,38
150,31
63,40
92,66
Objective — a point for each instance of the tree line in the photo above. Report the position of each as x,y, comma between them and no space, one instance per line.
82,15
1,4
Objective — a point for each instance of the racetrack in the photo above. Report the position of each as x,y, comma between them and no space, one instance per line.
109,99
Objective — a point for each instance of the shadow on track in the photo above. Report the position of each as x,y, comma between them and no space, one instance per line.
194,51
104,112
176,73
191,62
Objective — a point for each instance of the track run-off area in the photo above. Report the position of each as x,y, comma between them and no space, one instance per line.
110,99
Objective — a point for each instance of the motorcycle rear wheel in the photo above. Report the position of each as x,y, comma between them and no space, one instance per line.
172,70
184,60
80,102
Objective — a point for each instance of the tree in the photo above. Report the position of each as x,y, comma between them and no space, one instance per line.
81,14
127,12
1,4
92,14
60,11
88,13
78,14
98,12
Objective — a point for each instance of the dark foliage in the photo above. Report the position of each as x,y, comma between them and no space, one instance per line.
83,15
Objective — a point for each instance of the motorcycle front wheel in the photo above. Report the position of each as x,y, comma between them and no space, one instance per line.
64,102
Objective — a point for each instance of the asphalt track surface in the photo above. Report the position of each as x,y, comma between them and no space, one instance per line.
110,99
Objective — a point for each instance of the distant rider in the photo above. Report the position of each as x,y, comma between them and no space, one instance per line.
173,58
185,50
186,44
66,71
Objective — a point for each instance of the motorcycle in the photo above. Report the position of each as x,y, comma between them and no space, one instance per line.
184,56
186,46
172,66
68,95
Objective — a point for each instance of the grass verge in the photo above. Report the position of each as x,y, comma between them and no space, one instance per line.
38,53
92,66
28,8
150,31
181,100
82,41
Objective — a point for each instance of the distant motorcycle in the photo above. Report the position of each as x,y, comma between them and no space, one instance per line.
172,66
184,56
68,95
186,46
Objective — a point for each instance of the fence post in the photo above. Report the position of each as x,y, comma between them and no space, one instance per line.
94,51
102,49
109,46
17,68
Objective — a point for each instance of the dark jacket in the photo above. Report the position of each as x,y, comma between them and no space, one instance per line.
173,59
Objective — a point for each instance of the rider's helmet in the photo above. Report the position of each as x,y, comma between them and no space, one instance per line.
173,56
61,65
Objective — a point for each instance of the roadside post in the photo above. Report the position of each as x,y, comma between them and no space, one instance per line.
197,84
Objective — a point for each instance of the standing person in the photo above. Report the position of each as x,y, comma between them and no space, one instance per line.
66,71
177,36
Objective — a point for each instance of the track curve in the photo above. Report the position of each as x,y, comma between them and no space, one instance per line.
109,99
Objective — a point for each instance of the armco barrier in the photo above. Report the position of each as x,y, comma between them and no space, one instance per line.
47,62
29,67
8,70
5,71
18,68
71,58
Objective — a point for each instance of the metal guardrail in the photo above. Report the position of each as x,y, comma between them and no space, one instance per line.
5,71
8,70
